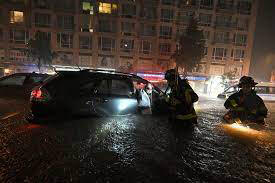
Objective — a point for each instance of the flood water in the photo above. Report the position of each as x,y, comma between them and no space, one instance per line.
137,149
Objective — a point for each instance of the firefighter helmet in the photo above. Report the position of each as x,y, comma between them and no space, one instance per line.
170,74
246,80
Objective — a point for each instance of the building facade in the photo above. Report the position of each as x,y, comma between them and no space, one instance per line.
272,78
129,35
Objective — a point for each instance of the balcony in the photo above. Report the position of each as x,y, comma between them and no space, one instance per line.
223,8
145,52
206,7
164,53
165,36
219,59
128,16
67,27
110,49
42,25
239,43
128,33
106,30
126,50
224,41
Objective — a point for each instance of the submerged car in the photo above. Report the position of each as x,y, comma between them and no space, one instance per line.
88,92
20,85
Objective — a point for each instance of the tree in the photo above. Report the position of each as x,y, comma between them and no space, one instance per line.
191,47
39,50
128,68
228,77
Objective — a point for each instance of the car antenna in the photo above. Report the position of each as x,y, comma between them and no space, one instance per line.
78,67
54,69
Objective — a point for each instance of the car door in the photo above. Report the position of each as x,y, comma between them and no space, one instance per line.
12,86
115,96
83,98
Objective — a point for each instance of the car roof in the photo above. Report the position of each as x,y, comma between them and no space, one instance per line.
266,84
29,74
103,73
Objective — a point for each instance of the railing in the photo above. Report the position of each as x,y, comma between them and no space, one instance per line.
225,41
225,9
107,49
239,43
38,24
219,58
165,36
207,7
127,16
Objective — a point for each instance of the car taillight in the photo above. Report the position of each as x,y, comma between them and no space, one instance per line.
40,94
37,93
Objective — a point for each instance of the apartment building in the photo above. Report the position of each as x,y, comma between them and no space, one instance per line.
129,35
272,78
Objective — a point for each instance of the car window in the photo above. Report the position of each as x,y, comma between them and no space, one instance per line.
102,87
37,79
271,90
90,85
13,80
261,89
120,87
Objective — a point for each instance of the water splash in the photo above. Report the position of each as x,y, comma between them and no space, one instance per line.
247,133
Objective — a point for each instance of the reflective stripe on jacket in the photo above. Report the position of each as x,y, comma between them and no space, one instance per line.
186,117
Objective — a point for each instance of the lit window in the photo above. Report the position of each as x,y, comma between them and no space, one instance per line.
114,7
105,8
87,7
16,17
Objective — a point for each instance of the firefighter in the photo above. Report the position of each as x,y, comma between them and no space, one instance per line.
181,99
245,105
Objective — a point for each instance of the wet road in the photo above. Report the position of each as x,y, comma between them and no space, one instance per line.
135,149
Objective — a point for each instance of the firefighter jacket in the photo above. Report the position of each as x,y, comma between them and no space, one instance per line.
181,101
246,106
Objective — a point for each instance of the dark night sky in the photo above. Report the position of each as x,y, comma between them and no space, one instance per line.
264,43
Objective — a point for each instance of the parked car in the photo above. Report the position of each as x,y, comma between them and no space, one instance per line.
265,90
20,85
88,92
